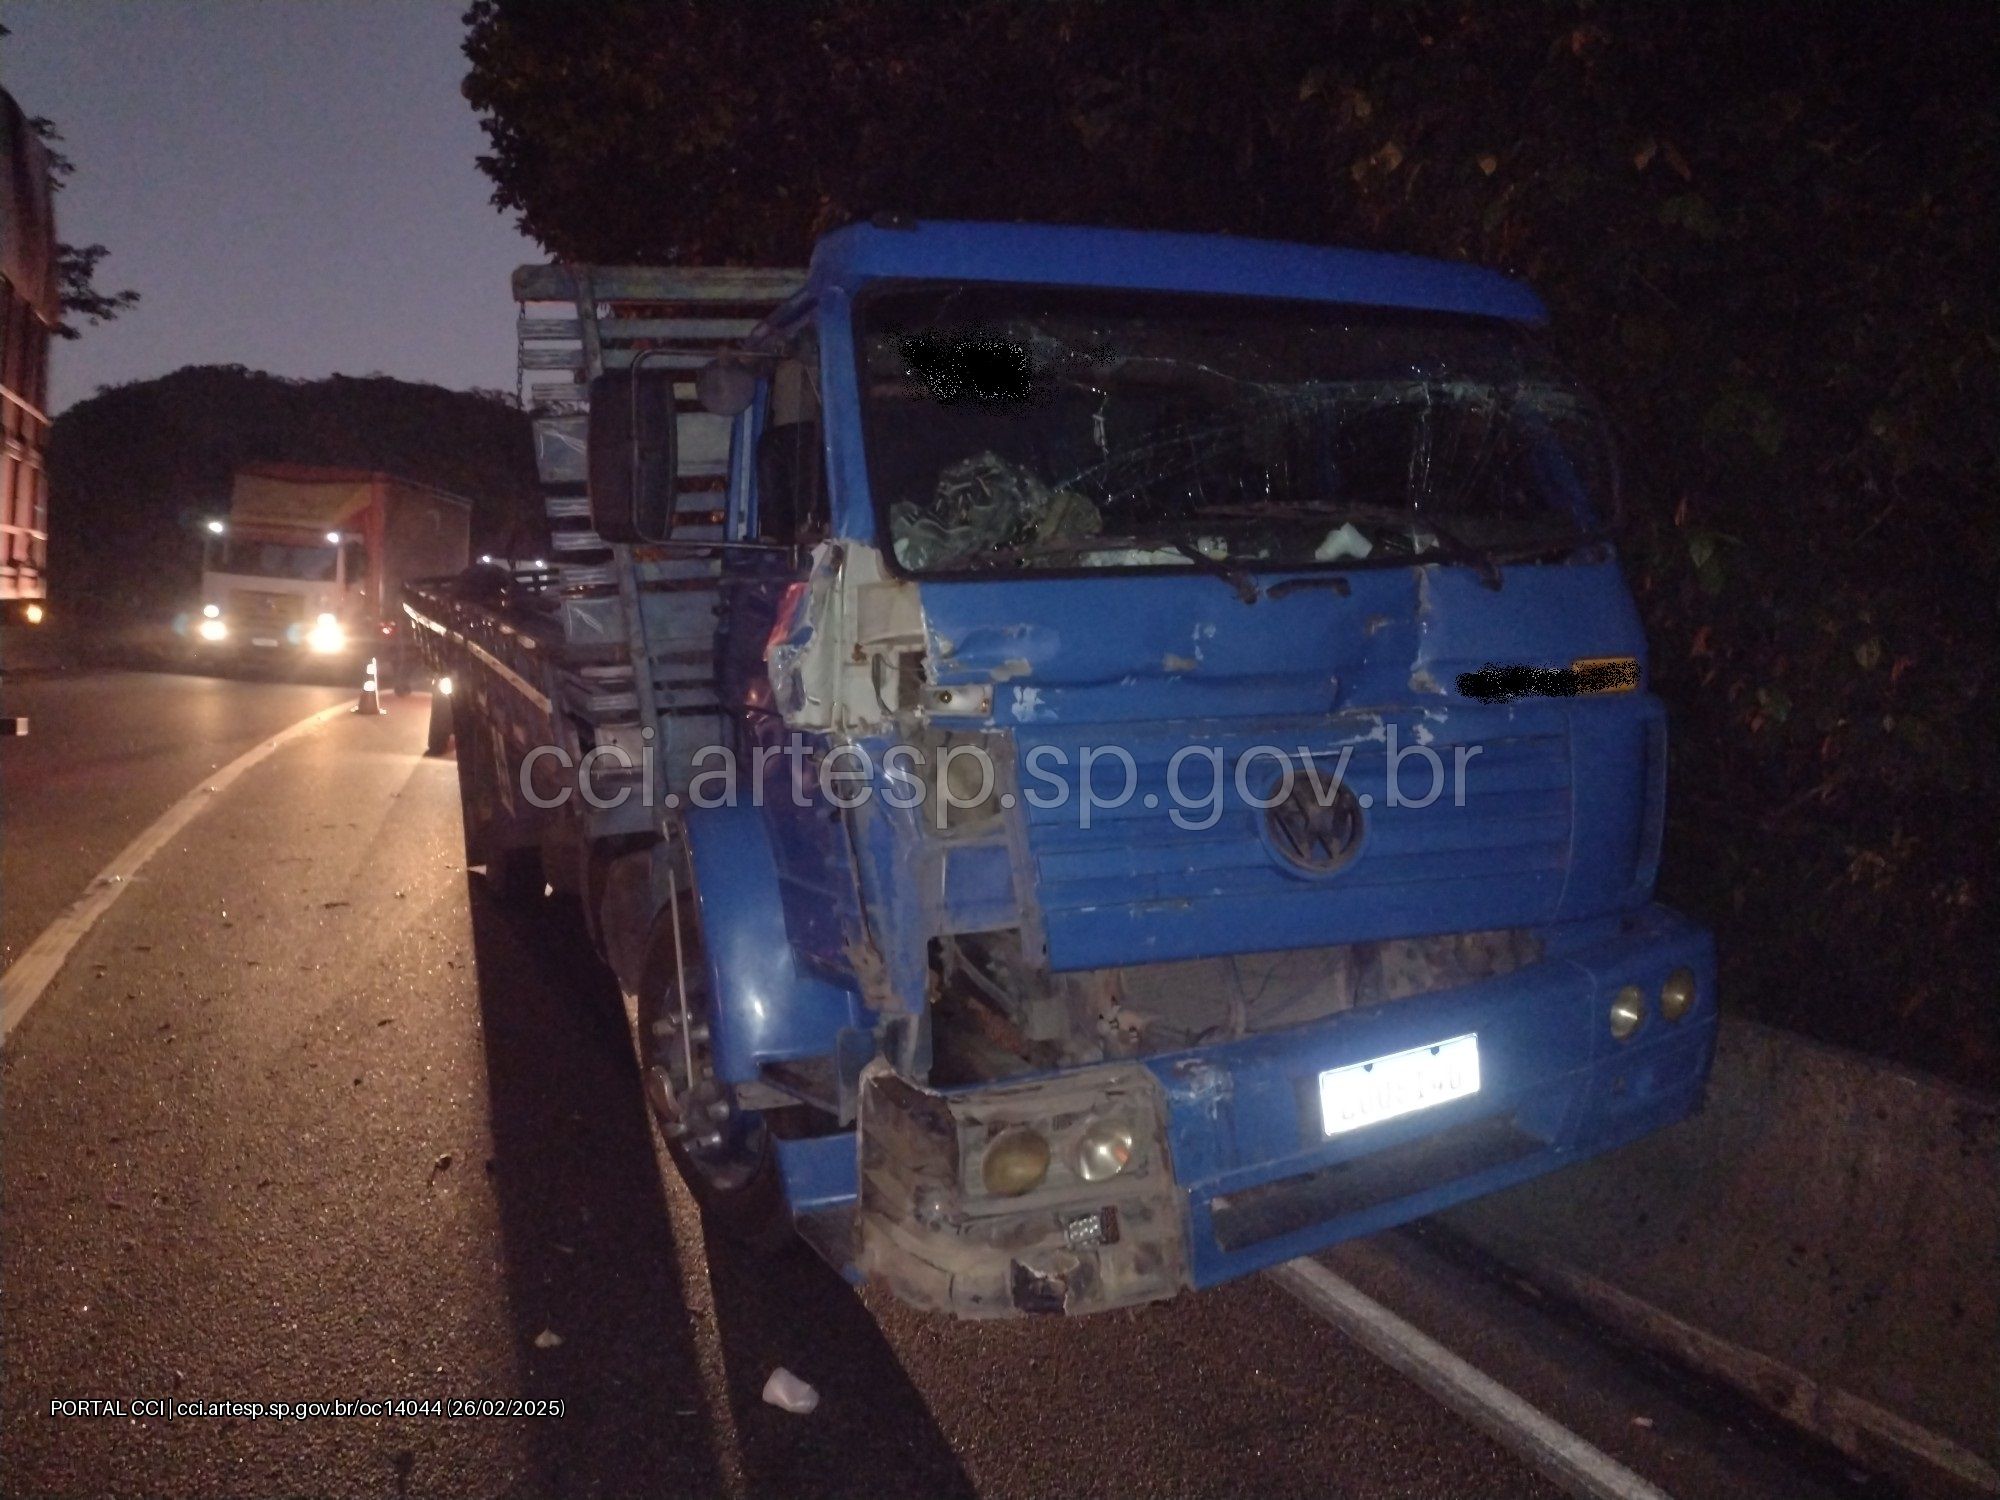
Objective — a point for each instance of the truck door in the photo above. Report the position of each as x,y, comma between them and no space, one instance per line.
786,504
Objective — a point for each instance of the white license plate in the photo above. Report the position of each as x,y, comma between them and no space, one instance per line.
1399,1084
263,640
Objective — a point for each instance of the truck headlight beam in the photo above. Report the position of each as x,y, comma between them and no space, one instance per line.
326,637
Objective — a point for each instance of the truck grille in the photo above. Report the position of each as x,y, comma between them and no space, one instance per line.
252,608
1134,886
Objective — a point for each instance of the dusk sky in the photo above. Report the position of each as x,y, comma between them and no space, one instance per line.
288,184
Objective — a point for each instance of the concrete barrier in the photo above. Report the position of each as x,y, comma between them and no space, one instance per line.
1825,1235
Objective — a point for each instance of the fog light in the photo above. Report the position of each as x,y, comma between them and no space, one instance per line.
1104,1151
1677,994
1628,1009
1015,1163
34,614
213,630
444,686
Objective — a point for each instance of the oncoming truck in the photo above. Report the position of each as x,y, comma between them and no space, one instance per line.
1102,761
309,565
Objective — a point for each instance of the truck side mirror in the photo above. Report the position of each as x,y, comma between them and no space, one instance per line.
632,457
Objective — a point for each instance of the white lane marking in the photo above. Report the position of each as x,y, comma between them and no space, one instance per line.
22,985
1550,1447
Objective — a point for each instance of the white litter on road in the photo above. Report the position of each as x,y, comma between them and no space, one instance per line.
786,1391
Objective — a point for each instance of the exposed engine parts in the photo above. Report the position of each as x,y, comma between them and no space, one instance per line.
998,1015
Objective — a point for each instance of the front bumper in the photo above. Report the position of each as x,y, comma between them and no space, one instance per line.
1237,1173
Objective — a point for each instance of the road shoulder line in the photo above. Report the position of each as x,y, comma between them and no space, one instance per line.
29,975
1552,1449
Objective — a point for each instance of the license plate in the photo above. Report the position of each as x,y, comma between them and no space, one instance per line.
263,640
1399,1084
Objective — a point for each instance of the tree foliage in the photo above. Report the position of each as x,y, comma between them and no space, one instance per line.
76,265
133,469
1764,235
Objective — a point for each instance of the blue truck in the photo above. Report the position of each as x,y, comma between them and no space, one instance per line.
1101,760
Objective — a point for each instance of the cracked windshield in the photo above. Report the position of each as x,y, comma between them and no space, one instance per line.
1012,428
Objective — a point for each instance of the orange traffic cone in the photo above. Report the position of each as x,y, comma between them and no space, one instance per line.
371,693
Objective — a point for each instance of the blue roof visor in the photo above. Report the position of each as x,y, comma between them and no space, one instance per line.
1016,429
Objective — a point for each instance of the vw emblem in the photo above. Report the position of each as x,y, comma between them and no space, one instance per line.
1317,836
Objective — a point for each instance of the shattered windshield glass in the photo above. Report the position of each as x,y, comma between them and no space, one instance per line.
1031,428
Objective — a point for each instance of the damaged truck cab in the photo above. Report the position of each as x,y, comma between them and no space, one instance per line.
1144,880
1181,786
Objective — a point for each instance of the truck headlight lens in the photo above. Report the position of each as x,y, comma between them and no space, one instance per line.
1628,1009
1016,1161
1104,1150
213,629
326,636
1677,994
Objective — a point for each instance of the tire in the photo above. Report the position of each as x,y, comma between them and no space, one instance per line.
439,735
514,873
725,1157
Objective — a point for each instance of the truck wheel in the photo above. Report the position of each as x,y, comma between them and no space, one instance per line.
723,1151
439,734
514,873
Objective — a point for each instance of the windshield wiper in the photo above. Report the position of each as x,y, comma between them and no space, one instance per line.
1461,551
1245,586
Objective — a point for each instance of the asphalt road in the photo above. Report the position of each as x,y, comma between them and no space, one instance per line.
306,1117
105,754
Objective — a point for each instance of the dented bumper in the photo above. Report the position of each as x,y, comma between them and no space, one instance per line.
1233,1170
931,1229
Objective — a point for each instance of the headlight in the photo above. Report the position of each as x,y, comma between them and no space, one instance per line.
1628,1009
444,686
1016,1161
1104,1150
213,630
326,636
1677,994
212,611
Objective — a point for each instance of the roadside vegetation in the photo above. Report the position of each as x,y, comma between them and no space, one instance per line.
136,468
1763,234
